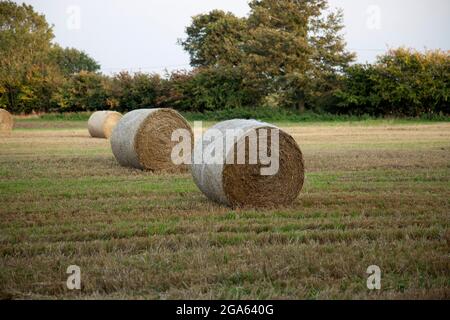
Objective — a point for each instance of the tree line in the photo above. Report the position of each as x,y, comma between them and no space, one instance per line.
286,54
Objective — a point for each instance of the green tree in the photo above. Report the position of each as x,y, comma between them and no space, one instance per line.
294,49
71,60
214,39
25,42
288,52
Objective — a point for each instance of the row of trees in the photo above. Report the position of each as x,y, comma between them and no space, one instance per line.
291,54
285,54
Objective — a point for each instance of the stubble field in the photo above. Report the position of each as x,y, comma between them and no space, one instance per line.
375,194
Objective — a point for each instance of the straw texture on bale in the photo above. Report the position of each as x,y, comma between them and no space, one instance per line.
242,185
6,122
102,123
143,139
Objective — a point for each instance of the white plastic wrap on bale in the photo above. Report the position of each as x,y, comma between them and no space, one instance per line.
123,137
207,176
97,121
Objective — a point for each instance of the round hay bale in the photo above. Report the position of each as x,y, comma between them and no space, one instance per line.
102,123
6,122
143,139
244,185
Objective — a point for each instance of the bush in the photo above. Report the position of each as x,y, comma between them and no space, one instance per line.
401,82
84,91
177,91
207,89
134,91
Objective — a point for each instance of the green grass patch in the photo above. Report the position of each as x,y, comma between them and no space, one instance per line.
262,113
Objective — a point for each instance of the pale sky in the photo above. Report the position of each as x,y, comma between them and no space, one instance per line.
141,35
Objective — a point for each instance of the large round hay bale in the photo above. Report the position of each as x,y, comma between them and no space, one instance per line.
6,122
102,123
243,184
143,139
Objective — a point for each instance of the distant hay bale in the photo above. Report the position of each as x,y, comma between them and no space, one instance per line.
102,123
143,139
243,185
6,122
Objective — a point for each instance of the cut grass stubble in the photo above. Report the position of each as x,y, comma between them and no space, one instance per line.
375,195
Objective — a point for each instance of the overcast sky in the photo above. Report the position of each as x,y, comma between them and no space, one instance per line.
141,35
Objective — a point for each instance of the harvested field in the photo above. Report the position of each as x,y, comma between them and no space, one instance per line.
374,194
